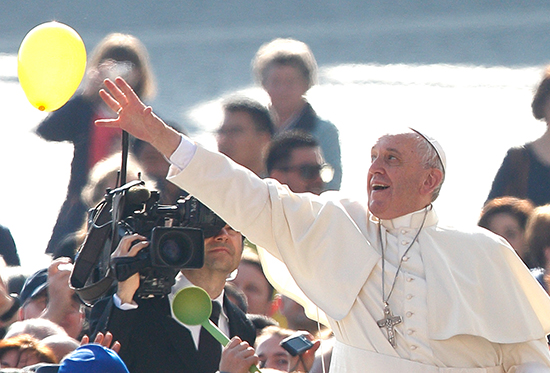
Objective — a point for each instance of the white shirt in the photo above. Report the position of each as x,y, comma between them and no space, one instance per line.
181,283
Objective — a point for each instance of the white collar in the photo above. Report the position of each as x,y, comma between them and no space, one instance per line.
183,282
412,220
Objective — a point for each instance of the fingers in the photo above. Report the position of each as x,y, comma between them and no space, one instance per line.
59,265
129,94
102,339
99,338
240,348
109,100
235,341
116,93
85,340
128,246
116,347
108,339
121,93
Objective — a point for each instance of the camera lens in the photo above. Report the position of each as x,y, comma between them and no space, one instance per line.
175,249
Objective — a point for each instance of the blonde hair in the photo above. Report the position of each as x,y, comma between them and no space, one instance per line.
286,52
125,47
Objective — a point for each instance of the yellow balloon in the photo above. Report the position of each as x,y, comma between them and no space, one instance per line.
51,63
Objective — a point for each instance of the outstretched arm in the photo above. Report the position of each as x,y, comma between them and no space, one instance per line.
136,118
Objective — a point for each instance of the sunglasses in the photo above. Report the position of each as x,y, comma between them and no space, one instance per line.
312,171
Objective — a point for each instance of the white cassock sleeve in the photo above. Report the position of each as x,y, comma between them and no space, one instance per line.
317,240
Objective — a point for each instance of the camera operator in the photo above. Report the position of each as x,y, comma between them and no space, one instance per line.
152,339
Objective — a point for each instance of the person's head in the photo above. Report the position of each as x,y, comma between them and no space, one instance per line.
295,315
92,358
222,252
286,69
14,277
270,352
44,290
106,175
540,105
38,328
61,345
261,322
295,158
34,295
155,166
507,217
405,175
252,281
119,48
245,132
537,234
24,350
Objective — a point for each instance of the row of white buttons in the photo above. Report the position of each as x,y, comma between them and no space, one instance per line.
409,297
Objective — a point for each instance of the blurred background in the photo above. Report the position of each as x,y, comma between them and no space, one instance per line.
464,72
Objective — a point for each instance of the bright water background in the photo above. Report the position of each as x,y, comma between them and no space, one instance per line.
463,72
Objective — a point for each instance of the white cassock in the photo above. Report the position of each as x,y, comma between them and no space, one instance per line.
467,301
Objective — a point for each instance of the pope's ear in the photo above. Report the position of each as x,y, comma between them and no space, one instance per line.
432,180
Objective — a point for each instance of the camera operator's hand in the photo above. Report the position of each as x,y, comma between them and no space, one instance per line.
129,246
237,357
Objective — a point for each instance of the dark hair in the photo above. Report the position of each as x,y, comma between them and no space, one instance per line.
236,296
541,95
280,148
259,113
261,321
537,235
519,208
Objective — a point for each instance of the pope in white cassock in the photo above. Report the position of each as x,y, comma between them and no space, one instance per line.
401,292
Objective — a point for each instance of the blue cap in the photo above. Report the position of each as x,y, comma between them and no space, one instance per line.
93,358
36,282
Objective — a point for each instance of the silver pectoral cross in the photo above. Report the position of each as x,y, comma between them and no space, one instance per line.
388,322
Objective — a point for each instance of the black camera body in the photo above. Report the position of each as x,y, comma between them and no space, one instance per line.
175,233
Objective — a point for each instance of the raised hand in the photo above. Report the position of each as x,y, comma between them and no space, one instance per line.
134,117
106,340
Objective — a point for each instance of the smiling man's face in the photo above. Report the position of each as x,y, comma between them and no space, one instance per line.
397,178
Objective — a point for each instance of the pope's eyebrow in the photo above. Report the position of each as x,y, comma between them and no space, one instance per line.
393,150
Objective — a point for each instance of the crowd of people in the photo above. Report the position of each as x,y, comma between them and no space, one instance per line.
300,277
